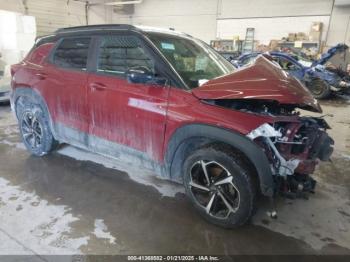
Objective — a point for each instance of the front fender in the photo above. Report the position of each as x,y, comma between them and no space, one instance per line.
174,156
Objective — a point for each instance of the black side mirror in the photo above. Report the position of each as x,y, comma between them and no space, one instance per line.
140,76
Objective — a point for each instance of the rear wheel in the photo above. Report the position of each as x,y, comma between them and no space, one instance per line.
319,88
219,185
35,129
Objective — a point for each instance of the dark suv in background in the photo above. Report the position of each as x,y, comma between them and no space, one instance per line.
178,106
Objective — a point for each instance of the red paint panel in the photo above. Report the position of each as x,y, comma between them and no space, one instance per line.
66,91
129,114
63,90
144,117
262,80
184,108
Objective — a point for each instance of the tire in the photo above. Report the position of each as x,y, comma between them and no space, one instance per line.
35,128
319,88
239,190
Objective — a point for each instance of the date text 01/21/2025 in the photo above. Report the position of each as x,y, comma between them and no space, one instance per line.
173,258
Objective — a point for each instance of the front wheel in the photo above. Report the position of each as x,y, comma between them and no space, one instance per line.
35,129
319,88
219,185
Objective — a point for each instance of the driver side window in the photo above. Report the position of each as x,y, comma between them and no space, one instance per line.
286,64
120,53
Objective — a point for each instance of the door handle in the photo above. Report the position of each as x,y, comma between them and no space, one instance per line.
41,76
97,86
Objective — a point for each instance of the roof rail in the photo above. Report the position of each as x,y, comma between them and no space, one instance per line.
94,27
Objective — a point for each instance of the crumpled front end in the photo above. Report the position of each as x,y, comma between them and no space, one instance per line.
293,144
336,83
343,87
294,148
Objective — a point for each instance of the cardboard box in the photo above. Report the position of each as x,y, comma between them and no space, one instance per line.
315,36
301,36
315,31
291,37
262,48
316,27
273,45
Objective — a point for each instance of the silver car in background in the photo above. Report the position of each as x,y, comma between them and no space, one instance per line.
5,83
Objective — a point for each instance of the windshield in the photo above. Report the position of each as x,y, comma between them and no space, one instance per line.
193,60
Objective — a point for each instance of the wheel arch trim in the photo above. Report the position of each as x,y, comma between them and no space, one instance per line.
34,96
212,133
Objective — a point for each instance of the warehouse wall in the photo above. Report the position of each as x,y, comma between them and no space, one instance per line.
202,18
266,29
100,14
195,17
206,19
272,19
339,30
273,8
53,14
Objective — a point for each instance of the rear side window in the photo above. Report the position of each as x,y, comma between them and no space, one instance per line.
118,54
72,53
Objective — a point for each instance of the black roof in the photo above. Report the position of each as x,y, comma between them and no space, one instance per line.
96,27
89,29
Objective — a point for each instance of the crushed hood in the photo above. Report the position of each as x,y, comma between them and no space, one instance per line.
330,53
264,80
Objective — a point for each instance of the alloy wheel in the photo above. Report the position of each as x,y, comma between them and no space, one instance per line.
317,87
32,131
212,187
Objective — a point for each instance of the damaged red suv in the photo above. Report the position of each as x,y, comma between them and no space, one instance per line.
171,101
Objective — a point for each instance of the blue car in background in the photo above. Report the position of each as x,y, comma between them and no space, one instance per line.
320,81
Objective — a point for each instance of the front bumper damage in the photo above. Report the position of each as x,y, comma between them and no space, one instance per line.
342,87
267,132
293,150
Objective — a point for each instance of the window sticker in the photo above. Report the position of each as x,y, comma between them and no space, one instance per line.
168,46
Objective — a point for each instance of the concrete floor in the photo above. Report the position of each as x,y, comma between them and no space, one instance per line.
73,202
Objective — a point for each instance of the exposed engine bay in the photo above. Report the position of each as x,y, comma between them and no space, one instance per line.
293,144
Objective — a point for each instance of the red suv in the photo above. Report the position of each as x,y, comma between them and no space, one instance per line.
170,100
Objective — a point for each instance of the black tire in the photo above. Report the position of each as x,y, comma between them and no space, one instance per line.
319,88
240,195
34,128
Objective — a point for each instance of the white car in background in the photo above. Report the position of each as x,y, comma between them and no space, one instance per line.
5,83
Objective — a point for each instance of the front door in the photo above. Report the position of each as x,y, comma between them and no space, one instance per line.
126,113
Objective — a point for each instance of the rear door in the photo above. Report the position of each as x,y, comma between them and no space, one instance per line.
129,114
66,81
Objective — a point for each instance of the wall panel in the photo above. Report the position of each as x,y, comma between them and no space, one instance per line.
273,8
269,28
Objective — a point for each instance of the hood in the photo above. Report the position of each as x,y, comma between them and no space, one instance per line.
330,53
264,80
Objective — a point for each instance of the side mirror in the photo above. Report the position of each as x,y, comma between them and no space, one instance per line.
139,76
